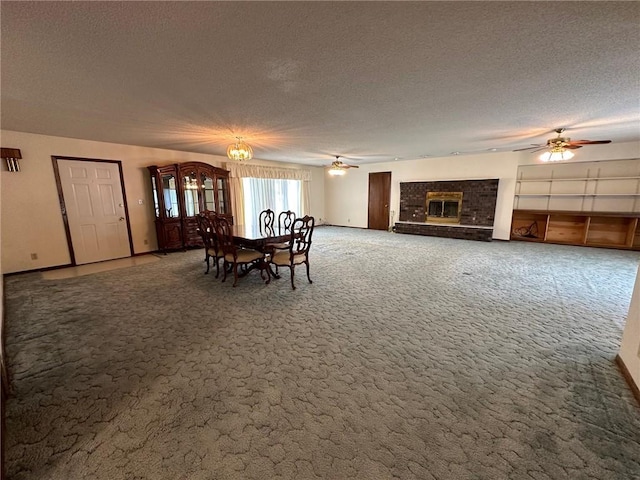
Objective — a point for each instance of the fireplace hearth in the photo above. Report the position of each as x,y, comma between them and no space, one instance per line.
435,208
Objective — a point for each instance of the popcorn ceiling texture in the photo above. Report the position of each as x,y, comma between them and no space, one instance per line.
303,81
409,357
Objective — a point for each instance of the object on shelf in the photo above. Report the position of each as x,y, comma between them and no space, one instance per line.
592,229
530,231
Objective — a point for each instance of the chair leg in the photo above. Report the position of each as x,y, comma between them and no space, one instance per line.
292,268
308,277
235,274
217,266
225,268
265,268
206,259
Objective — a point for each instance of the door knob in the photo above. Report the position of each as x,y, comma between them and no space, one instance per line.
121,219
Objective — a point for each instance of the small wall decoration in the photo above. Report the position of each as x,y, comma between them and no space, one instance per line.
11,156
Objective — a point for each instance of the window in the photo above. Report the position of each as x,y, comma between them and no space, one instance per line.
278,195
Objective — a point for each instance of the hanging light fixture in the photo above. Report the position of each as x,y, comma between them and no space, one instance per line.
557,154
335,170
239,150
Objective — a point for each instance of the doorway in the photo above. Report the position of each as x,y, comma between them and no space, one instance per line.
94,209
379,198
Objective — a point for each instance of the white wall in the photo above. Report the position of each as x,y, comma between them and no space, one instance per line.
31,218
630,346
346,197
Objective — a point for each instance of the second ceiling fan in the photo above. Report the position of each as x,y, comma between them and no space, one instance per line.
558,147
338,167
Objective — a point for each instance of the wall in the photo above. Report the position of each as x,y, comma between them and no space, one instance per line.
478,200
347,196
630,346
31,218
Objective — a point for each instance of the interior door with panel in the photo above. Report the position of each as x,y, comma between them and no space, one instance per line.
379,198
94,209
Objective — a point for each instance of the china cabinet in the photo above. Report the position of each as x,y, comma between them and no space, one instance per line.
180,192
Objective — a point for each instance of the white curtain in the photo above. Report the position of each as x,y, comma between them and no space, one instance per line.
237,202
256,188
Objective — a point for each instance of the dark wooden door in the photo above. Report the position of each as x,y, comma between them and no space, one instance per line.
379,198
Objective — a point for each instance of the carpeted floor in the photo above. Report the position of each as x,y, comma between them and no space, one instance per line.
408,358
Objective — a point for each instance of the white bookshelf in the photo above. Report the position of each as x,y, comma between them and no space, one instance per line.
607,186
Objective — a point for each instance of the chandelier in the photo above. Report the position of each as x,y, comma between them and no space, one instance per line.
239,150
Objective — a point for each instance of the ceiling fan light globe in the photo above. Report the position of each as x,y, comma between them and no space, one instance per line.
557,155
337,171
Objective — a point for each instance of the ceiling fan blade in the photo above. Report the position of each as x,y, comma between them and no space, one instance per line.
572,147
588,142
351,166
539,149
529,148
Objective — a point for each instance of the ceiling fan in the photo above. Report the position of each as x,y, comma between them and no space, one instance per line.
558,148
338,167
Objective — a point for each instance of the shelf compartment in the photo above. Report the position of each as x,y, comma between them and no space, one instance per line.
612,231
567,229
529,226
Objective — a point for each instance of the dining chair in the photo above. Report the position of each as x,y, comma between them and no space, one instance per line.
234,255
266,222
285,220
209,239
299,245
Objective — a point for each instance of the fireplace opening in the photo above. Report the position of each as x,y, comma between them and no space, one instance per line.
444,207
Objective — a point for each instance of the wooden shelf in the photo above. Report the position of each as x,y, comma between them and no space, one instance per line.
577,195
593,229
577,179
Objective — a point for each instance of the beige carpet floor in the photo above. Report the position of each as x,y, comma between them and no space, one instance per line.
407,358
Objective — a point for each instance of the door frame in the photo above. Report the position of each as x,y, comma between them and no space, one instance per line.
387,199
63,208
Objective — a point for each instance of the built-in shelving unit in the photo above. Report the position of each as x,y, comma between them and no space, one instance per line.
596,229
588,203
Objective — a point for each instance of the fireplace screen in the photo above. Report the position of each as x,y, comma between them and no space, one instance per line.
444,207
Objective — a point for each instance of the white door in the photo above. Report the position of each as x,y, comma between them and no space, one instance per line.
95,210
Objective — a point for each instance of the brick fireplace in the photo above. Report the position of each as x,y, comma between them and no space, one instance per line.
475,217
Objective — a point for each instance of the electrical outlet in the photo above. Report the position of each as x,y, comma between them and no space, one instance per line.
34,256
140,202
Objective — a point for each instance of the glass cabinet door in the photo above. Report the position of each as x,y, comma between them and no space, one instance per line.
156,204
190,186
170,196
208,192
222,196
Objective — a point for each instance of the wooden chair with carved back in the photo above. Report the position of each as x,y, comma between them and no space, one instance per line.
209,239
234,255
299,246
266,222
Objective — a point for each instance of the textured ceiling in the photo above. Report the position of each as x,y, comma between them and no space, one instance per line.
302,81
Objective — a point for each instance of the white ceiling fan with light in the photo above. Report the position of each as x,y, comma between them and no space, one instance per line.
338,167
559,148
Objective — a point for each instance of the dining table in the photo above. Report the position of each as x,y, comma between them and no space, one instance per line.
250,236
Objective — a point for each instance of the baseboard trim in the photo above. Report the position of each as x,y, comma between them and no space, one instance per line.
627,376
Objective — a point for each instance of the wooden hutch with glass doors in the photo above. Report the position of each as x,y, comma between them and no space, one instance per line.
180,192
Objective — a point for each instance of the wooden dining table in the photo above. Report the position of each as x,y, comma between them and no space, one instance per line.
249,236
